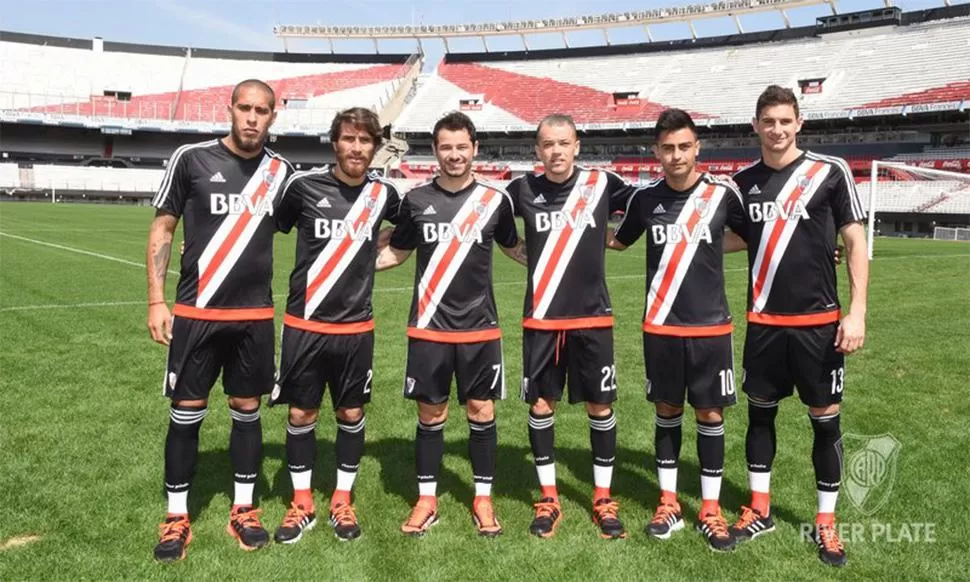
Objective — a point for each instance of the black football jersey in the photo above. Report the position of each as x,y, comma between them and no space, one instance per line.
793,217
226,204
565,234
685,254
337,227
453,234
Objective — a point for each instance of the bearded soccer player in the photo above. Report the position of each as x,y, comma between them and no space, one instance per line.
328,330
687,324
453,331
568,320
797,202
223,315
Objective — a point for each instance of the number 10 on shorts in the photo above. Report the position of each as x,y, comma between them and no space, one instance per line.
727,382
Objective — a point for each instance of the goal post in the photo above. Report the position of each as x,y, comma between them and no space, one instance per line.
907,189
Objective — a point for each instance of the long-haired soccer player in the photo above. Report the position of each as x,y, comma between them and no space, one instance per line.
328,329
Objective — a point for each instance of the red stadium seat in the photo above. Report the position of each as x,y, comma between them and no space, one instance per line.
530,98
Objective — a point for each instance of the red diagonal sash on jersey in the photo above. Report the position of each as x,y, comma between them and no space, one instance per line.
667,276
776,231
565,234
445,262
328,269
242,220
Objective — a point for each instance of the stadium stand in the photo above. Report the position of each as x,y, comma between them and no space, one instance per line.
113,80
876,67
47,177
938,197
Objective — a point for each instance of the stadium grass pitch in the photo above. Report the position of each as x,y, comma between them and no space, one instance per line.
83,423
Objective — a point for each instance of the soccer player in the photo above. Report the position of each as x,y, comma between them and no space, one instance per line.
687,324
224,189
453,330
797,202
328,330
568,320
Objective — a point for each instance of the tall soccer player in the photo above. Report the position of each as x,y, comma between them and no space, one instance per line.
568,320
687,325
223,315
328,330
797,203
453,331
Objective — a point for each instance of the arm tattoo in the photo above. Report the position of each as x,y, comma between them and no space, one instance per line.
160,260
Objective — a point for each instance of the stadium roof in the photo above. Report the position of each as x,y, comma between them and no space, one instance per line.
562,25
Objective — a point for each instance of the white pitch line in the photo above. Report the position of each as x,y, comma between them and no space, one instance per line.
79,251
72,306
401,289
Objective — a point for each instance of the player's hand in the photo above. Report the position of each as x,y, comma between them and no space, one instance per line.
384,237
851,334
160,323
839,250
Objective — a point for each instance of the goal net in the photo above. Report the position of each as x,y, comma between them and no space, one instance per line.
951,233
902,189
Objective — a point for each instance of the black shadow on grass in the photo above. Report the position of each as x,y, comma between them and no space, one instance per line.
515,479
213,476
628,483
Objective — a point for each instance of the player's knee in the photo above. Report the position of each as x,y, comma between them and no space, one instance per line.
594,409
669,410
349,414
709,415
302,417
432,413
480,410
819,411
762,412
543,407
240,403
191,403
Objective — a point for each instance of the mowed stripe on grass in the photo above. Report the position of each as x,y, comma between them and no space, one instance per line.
83,428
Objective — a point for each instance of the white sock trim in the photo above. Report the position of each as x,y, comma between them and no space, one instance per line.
710,488
826,501
546,474
178,503
345,480
667,478
760,482
301,480
243,493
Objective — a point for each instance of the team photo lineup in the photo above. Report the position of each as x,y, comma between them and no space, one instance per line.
786,211
460,290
